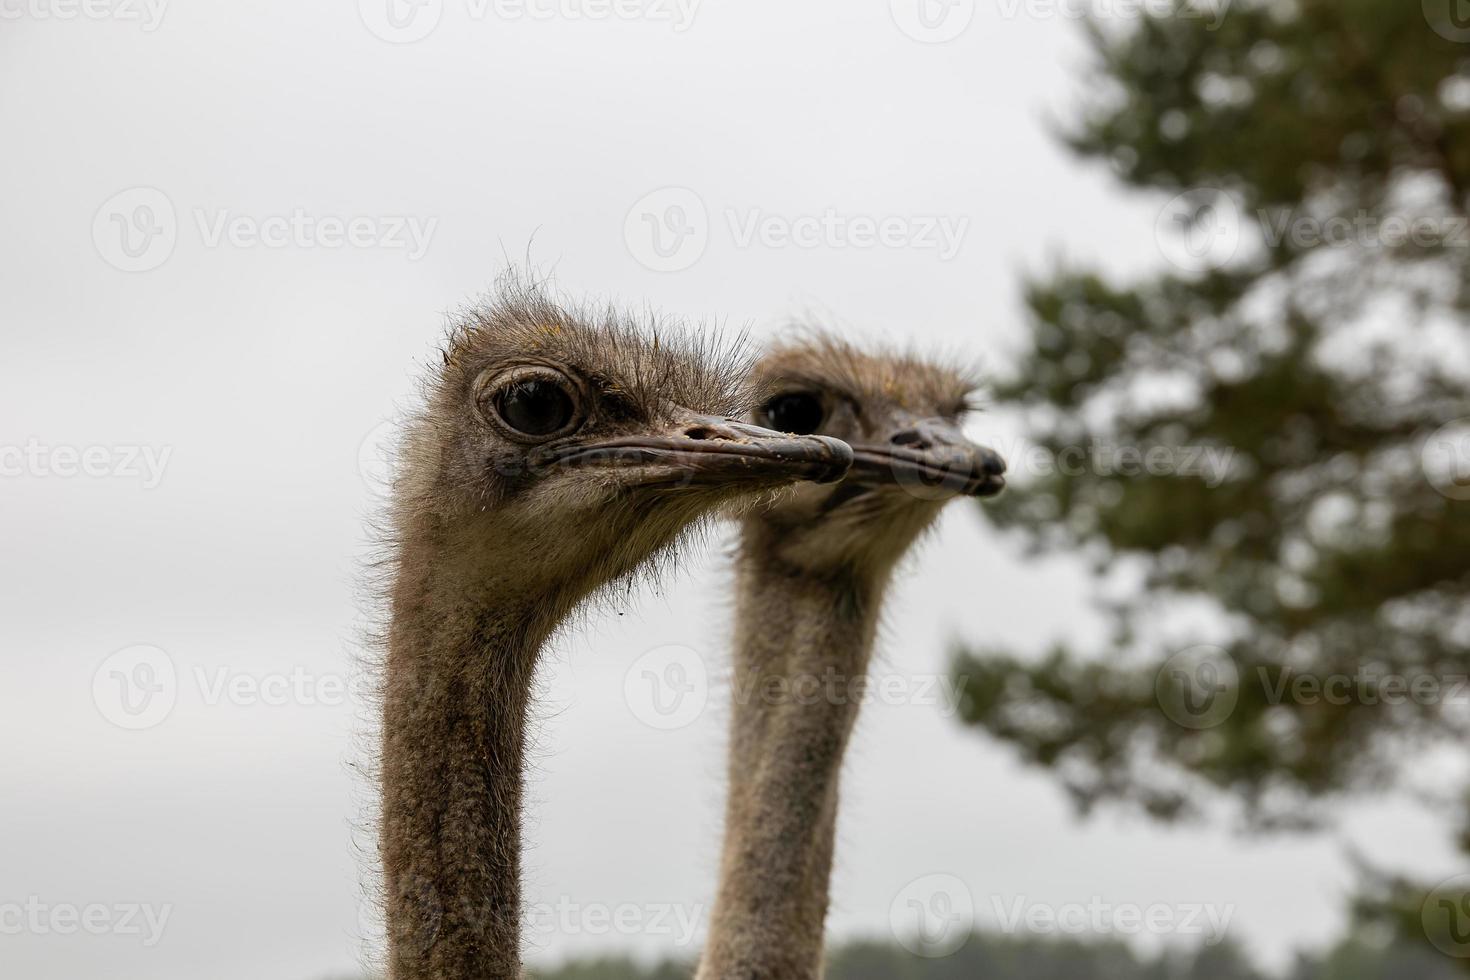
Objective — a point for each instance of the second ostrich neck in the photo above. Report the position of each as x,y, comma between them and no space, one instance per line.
803,642
462,653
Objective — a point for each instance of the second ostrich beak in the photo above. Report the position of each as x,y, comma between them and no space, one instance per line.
932,457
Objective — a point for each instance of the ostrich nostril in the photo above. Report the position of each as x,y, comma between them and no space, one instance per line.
701,432
913,438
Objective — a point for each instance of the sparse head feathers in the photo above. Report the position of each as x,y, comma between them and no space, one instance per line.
646,362
868,374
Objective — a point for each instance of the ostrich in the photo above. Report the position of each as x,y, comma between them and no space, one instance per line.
811,573
557,452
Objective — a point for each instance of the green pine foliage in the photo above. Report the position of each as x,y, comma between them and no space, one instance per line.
1315,353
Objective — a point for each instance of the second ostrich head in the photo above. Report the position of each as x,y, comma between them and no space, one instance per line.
810,579
902,415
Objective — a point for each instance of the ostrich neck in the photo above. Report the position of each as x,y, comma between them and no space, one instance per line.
456,687
802,647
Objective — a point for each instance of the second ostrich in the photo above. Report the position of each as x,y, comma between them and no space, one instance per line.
557,453
811,574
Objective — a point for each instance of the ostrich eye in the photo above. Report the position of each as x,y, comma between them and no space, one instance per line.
535,406
800,413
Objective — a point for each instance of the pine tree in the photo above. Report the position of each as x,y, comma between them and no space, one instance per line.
1312,162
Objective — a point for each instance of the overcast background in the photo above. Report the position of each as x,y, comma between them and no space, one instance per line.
145,150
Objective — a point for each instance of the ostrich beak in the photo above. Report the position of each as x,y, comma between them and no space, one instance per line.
703,450
932,457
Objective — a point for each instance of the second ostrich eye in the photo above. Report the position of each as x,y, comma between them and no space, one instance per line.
535,407
799,413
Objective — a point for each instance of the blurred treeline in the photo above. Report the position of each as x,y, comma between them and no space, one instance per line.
1311,163
999,958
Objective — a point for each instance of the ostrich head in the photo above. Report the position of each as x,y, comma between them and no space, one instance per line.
562,448
902,416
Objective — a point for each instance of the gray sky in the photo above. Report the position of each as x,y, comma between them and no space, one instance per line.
186,326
